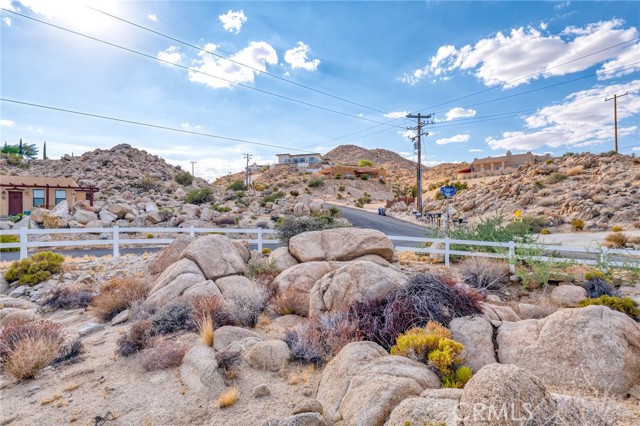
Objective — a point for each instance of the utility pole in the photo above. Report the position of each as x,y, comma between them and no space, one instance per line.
192,168
615,115
418,138
247,157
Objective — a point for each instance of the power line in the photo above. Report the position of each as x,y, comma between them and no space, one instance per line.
155,126
198,71
196,47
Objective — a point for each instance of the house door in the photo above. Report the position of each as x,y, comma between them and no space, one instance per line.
15,202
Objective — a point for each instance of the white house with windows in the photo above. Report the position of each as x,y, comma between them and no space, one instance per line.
300,160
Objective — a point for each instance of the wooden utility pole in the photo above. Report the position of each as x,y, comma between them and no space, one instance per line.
615,115
193,168
248,157
418,138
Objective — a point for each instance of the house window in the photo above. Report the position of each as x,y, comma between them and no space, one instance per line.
313,160
286,160
61,195
38,198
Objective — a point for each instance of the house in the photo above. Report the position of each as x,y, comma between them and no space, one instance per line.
301,160
508,161
19,194
347,172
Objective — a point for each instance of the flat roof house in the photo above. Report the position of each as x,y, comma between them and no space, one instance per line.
301,160
24,193
508,161
352,171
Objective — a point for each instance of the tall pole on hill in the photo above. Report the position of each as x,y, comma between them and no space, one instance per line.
615,115
418,138
193,168
248,157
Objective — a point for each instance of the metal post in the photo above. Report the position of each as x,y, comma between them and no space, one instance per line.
260,240
192,231
447,225
116,241
23,243
512,257
446,252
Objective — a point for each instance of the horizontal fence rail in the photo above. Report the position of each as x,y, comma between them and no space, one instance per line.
117,237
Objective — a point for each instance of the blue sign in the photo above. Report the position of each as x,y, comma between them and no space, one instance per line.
448,191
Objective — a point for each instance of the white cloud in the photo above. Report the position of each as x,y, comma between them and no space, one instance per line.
152,17
297,58
397,114
408,134
453,139
6,123
188,126
257,55
543,26
458,112
628,57
6,4
476,150
7,21
635,148
171,54
582,119
512,58
232,21
34,129
562,5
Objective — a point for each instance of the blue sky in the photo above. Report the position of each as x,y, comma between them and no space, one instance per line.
519,76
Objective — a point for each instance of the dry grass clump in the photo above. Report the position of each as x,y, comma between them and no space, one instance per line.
135,339
70,297
484,274
206,329
117,295
162,354
28,345
616,239
289,302
574,171
228,397
172,317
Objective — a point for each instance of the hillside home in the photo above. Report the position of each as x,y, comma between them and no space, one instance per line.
508,161
352,171
19,194
301,160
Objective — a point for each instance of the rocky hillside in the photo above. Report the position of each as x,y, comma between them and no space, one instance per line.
601,190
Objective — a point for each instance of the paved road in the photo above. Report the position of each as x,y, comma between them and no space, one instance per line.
388,225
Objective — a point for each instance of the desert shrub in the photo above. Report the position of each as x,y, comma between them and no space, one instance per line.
556,177
70,297
7,239
210,307
338,176
135,339
616,228
205,330
548,161
574,171
291,226
69,351
341,188
162,354
266,251
625,304
594,274
172,317
29,345
184,178
545,231
237,185
483,274
617,239
322,337
117,295
315,182
221,209
148,183
224,220
199,196
577,224
229,362
364,177
534,223
228,397
365,163
424,298
35,269
457,379
492,229
287,302
271,198
294,193
244,310
597,287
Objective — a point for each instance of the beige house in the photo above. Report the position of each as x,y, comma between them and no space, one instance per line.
508,161
300,160
19,194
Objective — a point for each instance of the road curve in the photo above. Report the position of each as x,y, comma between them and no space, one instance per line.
386,224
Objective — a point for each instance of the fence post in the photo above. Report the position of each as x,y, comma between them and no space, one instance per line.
512,257
23,243
260,240
192,231
446,252
116,241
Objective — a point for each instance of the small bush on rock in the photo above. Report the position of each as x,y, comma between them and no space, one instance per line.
6,239
287,302
162,354
616,228
577,224
135,339
210,307
117,295
597,287
626,305
291,226
484,274
35,269
315,182
70,297
237,185
184,178
457,379
617,239
172,317
199,196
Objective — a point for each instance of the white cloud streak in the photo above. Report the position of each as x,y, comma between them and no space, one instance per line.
476,150
6,123
7,21
397,114
297,58
233,21
152,17
171,54
453,139
458,112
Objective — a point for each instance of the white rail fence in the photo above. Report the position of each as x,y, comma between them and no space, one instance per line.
120,237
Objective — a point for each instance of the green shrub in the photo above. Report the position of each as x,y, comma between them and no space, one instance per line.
6,239
221,209
315,182
237,185
184,178
493,229
338,176
595,274
271,198
147,183
149,236
457,379
556,177
535,223
364,177
35,269
544,231
199,196
266,250
626,305
549,161
291,226
616,228
365,163
577,224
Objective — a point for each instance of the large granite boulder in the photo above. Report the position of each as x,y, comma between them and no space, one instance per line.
340,244
216,256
